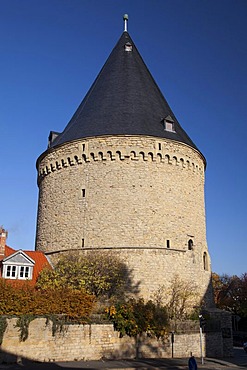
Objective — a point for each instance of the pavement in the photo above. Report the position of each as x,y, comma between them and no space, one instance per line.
238,362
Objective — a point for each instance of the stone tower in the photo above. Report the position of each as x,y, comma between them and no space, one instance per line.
125,176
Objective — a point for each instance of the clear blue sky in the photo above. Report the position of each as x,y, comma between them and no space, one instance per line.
51,52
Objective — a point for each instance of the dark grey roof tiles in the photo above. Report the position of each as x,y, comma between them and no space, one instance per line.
123,100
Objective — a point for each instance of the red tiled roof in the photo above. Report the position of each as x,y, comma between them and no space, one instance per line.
40,262
8,251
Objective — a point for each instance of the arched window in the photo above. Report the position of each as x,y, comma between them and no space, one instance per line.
190,244
205,261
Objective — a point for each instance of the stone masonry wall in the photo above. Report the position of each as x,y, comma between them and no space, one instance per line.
89,342
140,196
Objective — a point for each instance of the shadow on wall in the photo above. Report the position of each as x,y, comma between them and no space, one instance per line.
217,328
16,363
217,335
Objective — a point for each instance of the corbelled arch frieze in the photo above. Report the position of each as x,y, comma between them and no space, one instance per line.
99,149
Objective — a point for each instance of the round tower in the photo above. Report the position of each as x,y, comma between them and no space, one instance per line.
124,176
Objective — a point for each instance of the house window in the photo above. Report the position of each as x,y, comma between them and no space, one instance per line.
24,272
17,272
11,272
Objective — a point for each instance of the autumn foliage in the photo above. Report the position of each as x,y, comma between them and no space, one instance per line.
230,293
100,274
136,317
25,299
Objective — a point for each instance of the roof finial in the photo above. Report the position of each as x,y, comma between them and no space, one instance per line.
125,17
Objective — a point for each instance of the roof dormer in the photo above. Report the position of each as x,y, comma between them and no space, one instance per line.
169,124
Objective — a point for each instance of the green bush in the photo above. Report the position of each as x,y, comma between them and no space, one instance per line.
136,317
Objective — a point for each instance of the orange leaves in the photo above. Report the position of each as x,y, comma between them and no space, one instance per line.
25,299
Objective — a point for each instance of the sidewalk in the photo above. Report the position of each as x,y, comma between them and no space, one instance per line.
144,364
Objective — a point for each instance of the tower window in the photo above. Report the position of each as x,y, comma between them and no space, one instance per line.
205,261
83,193
82,243
169,124
159,146
128,46
190,245
168,244
83,147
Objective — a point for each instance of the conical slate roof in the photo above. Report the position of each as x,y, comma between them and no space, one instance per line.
123,100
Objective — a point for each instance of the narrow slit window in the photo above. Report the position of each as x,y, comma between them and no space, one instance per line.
83,147
82,243
83,193
168,244
205,261
159,146
190,245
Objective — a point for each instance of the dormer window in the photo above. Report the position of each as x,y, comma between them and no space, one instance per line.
169,124
52,137
17,272
128,46
18,266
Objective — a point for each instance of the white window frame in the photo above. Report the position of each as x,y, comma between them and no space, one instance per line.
20,272
10,272
169,126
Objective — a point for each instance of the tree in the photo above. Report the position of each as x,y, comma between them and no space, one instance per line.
101,274
136,317
230,293
26,300
180,298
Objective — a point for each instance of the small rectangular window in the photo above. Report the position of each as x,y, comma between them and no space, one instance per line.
83,193
82,243
8,271
27,272
168,244
169,126
159,146
83,147
13,274
22,272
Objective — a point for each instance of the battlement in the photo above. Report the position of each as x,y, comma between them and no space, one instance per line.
112,149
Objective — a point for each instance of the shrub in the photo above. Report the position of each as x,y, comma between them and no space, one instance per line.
136,317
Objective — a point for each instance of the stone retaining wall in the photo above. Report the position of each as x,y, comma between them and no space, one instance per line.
90,342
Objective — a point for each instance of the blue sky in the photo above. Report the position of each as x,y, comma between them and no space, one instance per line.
51,52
